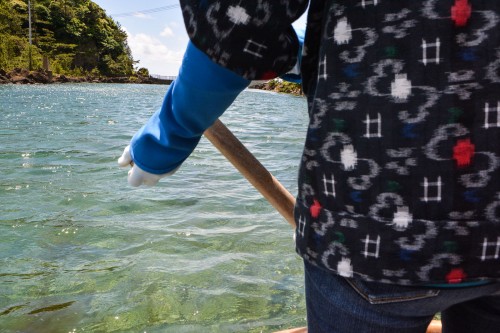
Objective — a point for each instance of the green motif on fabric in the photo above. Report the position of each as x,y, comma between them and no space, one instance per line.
338,124
391,51
455,114
450,247
393,186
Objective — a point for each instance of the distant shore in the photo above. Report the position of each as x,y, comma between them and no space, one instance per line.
280,86
24,76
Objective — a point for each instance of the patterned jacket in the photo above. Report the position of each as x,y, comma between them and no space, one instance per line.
399,180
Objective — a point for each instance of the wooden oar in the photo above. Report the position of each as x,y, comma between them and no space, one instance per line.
277,195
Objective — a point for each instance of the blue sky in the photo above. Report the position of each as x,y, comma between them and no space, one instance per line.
157,38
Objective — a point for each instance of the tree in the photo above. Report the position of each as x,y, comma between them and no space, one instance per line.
76,35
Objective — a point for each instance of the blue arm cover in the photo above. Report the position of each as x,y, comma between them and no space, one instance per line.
202,91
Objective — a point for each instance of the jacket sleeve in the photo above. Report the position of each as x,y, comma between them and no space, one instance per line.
232,42
201,92
253,38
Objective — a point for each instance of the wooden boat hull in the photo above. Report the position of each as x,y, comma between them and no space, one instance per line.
434,327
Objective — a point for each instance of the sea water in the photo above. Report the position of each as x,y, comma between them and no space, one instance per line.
82,251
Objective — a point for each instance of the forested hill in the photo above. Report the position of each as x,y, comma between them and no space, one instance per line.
76,36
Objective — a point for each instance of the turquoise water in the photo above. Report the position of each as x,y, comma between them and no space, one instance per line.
81,251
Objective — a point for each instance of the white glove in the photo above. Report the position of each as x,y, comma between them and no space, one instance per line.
137,176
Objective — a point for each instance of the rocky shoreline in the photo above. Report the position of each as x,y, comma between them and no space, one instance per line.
24,76
280,86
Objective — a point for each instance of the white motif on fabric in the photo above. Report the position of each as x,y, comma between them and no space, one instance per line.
309,160
492,211
255,48
238,15
432,190
417,241
364,182
323,70
373,126
325,226
217,53
344,268
437,261
402,218
490,20
399,273
491,115
341,142
467,215
301,226
348,223
401,87
342,33
401,30
372,246
491,250
395,67
403,153
457,228
426,52
359,52
493,69
431,99
347,97
214,19
307,191
262,13
428,10
387,205
190,21
462,84
365,3
334,249
348,157
443,134
481,178
321,107
329,186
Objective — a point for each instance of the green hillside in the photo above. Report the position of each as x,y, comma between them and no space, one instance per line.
75,35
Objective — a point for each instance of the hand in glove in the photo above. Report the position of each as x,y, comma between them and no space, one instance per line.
137,176
202,91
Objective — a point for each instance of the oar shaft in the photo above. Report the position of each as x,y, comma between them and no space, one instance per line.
277,195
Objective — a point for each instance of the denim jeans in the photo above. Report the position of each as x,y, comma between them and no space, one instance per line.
339,305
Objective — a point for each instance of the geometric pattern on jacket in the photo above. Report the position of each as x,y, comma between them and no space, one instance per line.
399,180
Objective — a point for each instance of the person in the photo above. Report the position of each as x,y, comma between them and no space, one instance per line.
398,206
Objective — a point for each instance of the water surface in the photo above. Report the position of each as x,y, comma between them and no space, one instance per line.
81,251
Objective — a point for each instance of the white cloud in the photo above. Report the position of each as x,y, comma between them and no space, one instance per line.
153,54
142,16
167,32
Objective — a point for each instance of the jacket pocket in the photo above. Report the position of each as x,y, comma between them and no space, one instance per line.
381,293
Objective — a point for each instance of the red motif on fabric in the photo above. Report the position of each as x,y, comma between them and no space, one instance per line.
461,12
315,209
268,75
456,275
463,152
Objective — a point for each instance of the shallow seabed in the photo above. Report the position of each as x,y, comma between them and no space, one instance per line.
81,251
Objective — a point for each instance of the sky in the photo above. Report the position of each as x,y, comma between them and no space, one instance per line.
157,38
155,30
